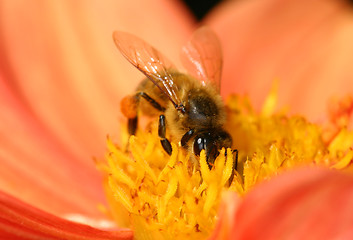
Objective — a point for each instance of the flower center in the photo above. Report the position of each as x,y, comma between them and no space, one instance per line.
170,197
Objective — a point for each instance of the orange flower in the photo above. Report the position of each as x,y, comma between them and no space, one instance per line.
62,81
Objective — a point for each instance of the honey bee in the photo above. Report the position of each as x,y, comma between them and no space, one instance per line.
188,105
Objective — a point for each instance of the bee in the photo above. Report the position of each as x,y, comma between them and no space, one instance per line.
188,105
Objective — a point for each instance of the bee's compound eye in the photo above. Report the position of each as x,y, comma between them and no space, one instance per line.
199,144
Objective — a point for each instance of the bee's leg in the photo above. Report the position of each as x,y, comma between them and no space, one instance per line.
153,102
129,107
186,137
161,133
132,125
235,165
156,105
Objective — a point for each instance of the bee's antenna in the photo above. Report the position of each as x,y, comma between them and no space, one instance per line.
180,108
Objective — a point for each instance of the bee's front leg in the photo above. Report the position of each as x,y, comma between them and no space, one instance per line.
161,133
186,137
132,125
235,165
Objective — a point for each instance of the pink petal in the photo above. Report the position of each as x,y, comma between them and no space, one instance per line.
61,82
21,221
300,204
306,45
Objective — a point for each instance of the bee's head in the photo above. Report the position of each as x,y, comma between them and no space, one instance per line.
211,141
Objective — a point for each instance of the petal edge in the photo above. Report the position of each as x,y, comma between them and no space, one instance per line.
21,221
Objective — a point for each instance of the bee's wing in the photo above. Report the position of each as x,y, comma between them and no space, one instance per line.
202,57
149,61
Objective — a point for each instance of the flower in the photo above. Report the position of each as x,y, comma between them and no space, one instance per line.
55,113
171,198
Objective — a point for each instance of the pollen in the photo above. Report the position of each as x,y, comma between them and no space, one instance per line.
171,197
167,197
270,142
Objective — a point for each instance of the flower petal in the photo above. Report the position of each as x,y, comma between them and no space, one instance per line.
301,204
21,221
230,203
304,44
37,168
61,61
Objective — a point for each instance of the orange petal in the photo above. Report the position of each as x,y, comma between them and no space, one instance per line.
38,168
230,203
301,204
21,221
60,86
60,59
307,45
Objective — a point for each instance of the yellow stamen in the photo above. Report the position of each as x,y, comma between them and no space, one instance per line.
170,197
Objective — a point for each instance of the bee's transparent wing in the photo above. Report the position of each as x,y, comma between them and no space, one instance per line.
202,57
149,61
